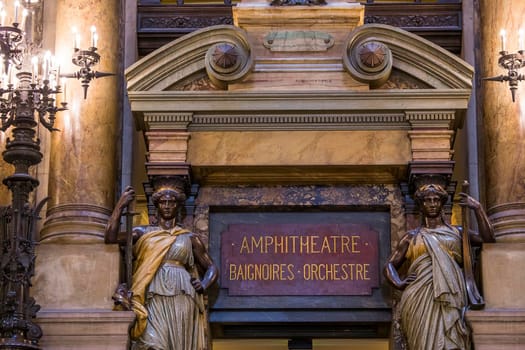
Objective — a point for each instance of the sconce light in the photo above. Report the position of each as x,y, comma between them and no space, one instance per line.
511,62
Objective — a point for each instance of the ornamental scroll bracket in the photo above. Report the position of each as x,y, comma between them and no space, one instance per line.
228,62
368,61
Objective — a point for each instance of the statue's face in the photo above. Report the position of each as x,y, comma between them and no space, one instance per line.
432,205
167,207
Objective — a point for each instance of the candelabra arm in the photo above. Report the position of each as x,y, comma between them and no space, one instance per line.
103,74
498,78
47,124
6,123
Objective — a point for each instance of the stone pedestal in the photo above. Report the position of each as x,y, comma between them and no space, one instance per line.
76,276
502,266
85,330
498,329
501,325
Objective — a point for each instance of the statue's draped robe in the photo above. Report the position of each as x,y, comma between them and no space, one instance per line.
169,313
431,307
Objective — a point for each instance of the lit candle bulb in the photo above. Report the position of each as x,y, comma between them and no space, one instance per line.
45,65
93,36
521,39
64,90
58,65
34,71
3,14
10,74
76,38
17,5
25,13
503,34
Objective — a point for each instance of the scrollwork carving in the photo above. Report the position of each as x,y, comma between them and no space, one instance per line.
228,62
368,61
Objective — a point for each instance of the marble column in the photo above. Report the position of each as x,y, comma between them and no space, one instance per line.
504,121
76,273
500,325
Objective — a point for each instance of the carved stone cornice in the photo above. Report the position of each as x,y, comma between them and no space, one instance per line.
186,101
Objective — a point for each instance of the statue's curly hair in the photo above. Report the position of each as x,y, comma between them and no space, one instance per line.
424,190
157,195
175,186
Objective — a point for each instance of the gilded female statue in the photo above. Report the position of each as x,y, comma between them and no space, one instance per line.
434,296
166,288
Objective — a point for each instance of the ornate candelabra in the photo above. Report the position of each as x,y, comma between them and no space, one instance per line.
28,97
512,63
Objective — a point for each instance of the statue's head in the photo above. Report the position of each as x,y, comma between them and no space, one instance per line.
428,189
431,198
173,186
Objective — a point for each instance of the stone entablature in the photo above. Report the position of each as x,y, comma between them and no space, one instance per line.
291,89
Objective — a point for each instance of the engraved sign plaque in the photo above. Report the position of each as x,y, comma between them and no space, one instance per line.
299,259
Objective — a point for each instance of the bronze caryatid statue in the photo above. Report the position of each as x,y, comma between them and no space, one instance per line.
171,270
435,294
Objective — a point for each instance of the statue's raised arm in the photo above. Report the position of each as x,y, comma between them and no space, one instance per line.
113,225
486,230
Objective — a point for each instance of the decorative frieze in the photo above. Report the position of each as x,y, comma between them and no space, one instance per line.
452,20
183,22
299,121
